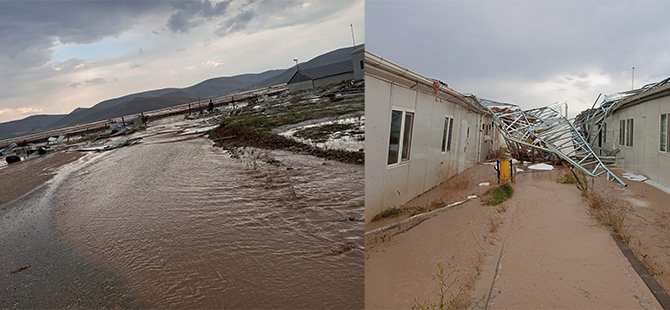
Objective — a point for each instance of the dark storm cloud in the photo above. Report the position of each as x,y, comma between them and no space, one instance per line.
470,40
237,23
268,14
30,30
193,13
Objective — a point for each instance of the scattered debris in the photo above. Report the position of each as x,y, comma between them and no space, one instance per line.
8,149
541,166
19,270
241,137
484,184
634,177
12,158
416,216
472,196
207,129
110,146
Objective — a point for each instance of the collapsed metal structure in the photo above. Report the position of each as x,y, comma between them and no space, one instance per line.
590,121
545,134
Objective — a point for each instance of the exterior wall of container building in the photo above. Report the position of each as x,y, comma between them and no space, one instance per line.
390,88
644,154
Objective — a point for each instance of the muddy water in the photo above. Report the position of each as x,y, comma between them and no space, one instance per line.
188,226
39,269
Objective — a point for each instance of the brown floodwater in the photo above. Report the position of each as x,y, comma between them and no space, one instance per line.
180,224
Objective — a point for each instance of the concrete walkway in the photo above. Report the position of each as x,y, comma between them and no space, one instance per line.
554,255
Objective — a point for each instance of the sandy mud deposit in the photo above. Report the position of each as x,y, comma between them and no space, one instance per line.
646,227
177,222
540,249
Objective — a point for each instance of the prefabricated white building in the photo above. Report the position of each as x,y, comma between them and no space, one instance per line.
418,133
639,129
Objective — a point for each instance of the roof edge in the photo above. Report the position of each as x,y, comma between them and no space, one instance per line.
446,93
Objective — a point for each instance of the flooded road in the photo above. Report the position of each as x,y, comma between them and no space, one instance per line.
39,269
177,223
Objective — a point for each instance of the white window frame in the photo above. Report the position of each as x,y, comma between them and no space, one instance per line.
622,132
401,141
446,138
627,132
667,132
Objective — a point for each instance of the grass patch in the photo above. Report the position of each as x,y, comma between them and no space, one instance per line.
498,195
293,114
388,213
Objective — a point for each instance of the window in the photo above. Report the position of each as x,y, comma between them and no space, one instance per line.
604,132
626,132
629,133
400,140
361,65
446,134
467,135
664,133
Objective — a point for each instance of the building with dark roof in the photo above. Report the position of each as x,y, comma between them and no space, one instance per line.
322,75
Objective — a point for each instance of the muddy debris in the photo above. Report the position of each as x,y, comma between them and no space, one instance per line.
235,136
19,270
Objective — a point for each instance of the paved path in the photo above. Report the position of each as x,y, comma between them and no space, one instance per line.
554,255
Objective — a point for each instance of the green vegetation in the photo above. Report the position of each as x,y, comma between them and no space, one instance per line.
388,213
498,195
294,113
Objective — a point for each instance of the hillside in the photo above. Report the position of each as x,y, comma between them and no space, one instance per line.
166,97
29,125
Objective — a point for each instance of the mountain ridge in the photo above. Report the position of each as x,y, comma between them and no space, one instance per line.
165,97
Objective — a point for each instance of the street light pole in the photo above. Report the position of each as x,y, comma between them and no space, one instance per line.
296,64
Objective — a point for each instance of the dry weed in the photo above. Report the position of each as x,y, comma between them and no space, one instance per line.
458,182
455,301
494,224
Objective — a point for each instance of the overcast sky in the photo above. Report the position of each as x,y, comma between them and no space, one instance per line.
56,56
531,53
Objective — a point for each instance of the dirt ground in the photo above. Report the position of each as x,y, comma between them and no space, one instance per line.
400,263
540,249
647,222
20,178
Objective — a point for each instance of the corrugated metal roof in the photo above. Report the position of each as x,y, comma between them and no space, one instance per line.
322,71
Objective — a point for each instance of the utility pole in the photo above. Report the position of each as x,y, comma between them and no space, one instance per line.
296,64
632,83
352,34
